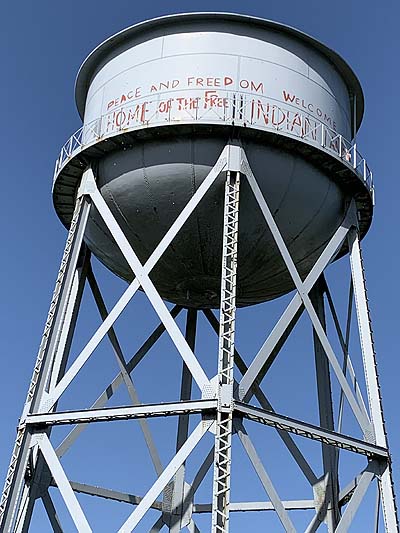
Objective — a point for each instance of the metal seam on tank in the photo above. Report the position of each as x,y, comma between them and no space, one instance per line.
148,187
318,211
105,235
262,236
98,226
107,190
178,257
132,231
172,247
153,202
193,179
286,192
115,270
300,261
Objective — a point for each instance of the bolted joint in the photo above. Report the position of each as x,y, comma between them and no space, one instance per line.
234,163
225,398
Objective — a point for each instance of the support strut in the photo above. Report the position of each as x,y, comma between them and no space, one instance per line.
223,437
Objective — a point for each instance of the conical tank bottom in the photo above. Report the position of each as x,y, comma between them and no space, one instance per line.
147,185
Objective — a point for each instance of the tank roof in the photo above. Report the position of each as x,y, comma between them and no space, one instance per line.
186,22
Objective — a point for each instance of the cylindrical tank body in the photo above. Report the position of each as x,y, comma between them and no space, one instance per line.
187,85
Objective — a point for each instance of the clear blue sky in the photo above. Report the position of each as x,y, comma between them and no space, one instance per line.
43,44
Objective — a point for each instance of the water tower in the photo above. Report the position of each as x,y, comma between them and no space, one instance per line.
216,168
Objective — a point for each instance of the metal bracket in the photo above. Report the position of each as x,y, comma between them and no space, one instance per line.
88,183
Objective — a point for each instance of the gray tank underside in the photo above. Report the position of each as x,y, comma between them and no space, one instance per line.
147,184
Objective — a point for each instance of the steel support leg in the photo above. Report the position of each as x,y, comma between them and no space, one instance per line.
39,478
265,479
371,377
180,504
116,383
222,460
330,507
51,513
125,372
265,404
49,382
40,379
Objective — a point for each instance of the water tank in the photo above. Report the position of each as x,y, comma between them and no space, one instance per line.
161,99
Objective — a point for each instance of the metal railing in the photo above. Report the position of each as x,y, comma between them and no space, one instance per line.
238,109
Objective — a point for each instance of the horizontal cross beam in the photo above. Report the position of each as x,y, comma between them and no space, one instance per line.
121,413
110,494
290,505
204,407
310,431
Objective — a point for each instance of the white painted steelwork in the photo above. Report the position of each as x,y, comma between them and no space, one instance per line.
161,99
305,198
318,134
39,417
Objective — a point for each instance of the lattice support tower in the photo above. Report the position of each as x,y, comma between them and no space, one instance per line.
224,406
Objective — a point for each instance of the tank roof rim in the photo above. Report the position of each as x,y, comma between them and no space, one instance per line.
88,66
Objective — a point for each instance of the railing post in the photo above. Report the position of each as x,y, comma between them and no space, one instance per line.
101,126
93,131
56,166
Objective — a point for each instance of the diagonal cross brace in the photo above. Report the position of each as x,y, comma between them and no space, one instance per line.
180,457
348,365
51,512
255,371
89,187
115,384
125,373
147,285
303,292
362,486
264,478
265,404
63,484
